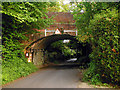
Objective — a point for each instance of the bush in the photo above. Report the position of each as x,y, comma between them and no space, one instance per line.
18,22
14,63
105,48
14,67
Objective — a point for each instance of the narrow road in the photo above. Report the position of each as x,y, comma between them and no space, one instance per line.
53,77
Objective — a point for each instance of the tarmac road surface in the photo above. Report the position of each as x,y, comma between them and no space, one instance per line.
62,76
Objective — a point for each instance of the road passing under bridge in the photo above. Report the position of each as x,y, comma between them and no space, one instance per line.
53,77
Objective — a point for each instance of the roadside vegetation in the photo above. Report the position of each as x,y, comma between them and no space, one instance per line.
18,20
98,25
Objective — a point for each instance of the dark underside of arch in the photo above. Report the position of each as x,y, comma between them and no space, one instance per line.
46,41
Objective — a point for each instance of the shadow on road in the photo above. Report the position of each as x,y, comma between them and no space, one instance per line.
65,66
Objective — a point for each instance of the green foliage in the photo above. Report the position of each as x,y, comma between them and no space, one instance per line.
105,40
54,7
14,63
29,13
59,51
100,28
59,6
18,20
64,47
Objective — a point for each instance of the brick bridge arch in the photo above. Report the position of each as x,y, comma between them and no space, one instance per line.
65,24
38,47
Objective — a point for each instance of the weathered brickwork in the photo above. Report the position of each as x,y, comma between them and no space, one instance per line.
62,21
62,17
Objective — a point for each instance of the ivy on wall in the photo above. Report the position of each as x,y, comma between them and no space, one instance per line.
18,20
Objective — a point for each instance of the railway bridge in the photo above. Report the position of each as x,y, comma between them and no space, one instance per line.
63,28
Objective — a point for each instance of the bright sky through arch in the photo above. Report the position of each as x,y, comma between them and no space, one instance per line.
66,1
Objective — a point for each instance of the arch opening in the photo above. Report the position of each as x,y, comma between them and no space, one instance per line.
63,50
69,52
45,51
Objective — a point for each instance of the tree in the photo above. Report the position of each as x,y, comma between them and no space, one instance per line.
98,25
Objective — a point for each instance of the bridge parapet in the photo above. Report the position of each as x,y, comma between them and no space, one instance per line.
52,32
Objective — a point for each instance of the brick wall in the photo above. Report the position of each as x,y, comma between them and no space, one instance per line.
63,21
62,17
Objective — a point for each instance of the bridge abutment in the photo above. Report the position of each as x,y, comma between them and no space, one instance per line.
38,58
